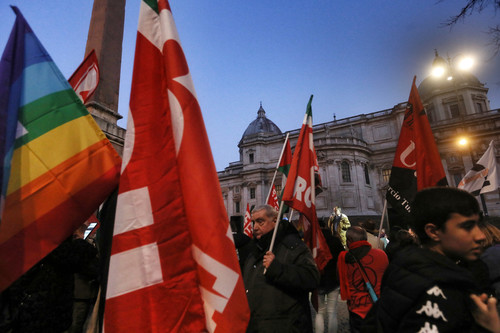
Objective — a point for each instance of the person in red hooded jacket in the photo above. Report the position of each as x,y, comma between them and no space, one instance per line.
360,268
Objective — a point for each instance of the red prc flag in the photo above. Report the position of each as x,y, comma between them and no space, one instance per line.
86,77
173,264
273,199
300,188
417,164
247,225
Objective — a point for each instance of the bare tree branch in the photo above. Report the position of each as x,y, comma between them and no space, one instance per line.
478,6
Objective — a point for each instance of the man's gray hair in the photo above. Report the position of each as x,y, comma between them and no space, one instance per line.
270,211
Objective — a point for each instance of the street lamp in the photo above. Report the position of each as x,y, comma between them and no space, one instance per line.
465,142
451,68
441,66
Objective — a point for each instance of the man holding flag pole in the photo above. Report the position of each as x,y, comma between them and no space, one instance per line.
281,271
300,189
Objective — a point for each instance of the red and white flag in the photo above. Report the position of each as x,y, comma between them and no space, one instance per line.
273,199
247,224
173,265
86,77
300,189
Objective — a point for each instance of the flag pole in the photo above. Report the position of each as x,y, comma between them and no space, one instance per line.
275,231
277,166
382,220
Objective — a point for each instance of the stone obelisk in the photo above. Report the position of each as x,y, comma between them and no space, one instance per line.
106,37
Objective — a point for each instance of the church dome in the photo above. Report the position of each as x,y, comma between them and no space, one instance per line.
261,126
432,85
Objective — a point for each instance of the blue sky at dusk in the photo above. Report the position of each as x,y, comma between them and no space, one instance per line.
355,56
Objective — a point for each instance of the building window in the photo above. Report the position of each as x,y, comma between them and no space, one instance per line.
454,111
386,173
367,175
236,189
430,114
252,193
250,157
237,206
479,107
278,189
346,172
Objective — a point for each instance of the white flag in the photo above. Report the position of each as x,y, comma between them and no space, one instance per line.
482,178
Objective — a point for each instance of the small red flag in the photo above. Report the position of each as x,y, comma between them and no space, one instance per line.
273,199
86,77
247,225
300,193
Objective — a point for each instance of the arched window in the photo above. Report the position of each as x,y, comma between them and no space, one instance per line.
346,172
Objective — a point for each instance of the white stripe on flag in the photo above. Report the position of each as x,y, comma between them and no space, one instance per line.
135,211
133,270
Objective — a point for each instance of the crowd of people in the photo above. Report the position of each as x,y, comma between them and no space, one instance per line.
440,275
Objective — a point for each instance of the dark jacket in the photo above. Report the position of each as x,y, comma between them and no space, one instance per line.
279,300
422,289
42,299
329,280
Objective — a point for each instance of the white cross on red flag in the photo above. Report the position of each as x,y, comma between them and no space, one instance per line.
173,265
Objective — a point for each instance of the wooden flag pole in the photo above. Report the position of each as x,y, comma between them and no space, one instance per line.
382,221
275,231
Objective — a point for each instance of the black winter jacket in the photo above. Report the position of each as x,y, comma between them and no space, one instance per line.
279,300
425,291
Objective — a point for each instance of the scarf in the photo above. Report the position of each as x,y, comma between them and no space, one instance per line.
342,269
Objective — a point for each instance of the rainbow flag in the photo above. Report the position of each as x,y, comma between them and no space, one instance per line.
57,165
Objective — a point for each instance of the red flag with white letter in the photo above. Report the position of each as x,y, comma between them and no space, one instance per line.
247,225
86,77
300,188
417,164
173,265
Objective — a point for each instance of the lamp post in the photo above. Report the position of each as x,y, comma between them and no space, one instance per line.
451,67
465,142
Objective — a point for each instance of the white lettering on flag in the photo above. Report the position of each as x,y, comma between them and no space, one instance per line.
300,187
140,266
135,211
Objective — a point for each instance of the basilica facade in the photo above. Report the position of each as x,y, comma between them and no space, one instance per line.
355,154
